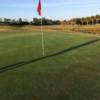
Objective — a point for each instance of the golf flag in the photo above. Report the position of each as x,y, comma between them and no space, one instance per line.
39,8
39,13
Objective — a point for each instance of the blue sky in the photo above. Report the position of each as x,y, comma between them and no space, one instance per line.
55,9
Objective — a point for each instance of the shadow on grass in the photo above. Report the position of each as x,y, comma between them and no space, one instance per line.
19,64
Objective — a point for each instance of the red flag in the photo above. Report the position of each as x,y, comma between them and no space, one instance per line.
39,8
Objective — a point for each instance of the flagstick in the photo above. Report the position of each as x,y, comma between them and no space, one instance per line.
42,38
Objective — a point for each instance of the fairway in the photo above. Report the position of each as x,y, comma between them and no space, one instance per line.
72,74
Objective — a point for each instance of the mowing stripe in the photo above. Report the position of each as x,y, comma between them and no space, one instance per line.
19,64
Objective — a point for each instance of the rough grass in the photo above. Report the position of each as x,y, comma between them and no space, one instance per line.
73,75
91,29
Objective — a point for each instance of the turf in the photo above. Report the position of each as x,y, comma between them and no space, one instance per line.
72,75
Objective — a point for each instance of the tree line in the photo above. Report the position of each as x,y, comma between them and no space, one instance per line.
36,21
85,20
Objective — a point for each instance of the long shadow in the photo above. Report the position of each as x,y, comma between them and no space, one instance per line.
19,64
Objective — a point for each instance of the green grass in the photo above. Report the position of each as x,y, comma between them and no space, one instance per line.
73,75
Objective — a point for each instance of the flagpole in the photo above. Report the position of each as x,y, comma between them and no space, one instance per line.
39,13
43,50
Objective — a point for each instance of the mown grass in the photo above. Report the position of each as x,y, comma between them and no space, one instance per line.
73,75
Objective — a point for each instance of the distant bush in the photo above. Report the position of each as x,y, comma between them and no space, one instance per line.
85,20
36,21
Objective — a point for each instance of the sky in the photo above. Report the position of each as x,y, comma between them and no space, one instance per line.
54,9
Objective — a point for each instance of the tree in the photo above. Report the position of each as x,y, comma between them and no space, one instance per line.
56,22
92,19
36,21
20,21
13,22
78,21
82,20
0,20
7,20
87,20
97,19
